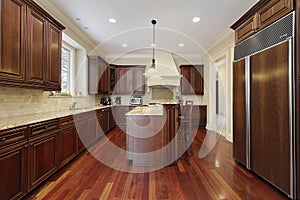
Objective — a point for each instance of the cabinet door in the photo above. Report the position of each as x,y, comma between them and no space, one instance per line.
12,52
273,11
105,120
43,158
270,136
128,80
186,81
13,165
79,144
111,116
94,74
239,111
104,77
54,58
197,75
138,80
67,144
247,29
37,44
120,115
124,80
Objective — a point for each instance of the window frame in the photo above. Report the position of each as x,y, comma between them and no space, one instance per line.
71,68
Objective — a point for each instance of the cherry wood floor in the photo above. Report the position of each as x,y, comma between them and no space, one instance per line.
216,176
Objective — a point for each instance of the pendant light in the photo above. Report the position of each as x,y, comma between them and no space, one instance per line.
153,44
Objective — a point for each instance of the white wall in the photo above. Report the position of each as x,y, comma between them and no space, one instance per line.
220,54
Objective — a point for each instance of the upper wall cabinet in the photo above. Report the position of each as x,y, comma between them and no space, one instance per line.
130,80
98,75
37,47
192,79
53,78
30,46
264,13
12,52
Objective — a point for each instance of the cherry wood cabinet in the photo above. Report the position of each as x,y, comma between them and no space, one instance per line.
12,54
120,117
13,162
37,48
105,120
53,78
43,155
104,84
139,80
79,144
112,114
67,138
192,79
43,158
123,80
170,130
98,75
239,111
262,14
30,46
130,80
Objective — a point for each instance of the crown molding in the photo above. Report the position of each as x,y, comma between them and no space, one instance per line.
228,37
75,31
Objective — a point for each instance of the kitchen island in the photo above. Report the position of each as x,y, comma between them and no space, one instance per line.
151,132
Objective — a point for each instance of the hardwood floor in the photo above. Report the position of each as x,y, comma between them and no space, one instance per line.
215,176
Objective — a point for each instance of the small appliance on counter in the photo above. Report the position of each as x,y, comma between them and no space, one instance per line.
118,100
105,101
136,101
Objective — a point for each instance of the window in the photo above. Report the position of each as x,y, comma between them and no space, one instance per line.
65,70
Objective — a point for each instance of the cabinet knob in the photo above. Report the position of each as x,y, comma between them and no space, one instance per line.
26,146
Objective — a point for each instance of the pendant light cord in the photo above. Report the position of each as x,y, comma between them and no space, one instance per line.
153,59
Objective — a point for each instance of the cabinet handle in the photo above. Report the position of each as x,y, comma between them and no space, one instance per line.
26,146
31,144
3,139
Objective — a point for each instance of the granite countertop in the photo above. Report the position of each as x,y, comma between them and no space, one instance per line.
146,111
12,122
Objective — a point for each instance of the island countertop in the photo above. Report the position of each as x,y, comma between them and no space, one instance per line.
146,111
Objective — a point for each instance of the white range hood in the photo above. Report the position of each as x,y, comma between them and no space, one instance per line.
165,72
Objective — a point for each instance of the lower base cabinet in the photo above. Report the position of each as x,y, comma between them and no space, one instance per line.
43,158
31,154
67,144
13,165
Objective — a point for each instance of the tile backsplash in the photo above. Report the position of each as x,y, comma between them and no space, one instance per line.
20,101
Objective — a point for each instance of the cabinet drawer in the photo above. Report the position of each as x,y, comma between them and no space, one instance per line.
13,135
273,11
43,127
247,29
66,122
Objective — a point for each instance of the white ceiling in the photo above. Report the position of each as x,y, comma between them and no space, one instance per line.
134,26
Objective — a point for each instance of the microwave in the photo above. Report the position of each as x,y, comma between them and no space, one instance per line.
136,101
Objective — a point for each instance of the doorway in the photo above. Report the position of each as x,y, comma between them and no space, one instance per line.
221,100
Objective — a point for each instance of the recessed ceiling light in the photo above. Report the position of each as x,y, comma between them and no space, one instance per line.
181,45
153,45
112,20
124,45
196,19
